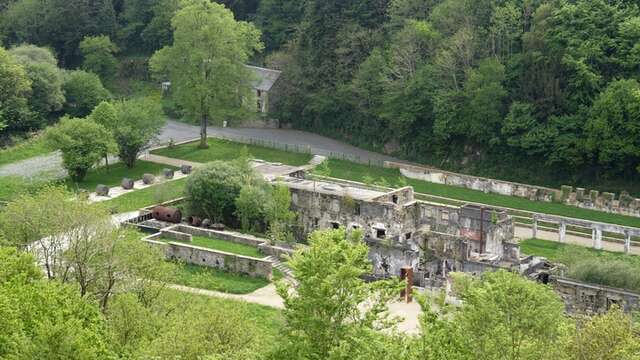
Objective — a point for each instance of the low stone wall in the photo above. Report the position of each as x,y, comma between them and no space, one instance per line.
196,255
583,297
579,197
438,176
232,236
275,251
176,235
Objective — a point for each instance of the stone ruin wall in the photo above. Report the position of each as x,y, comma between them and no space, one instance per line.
405,224
623,204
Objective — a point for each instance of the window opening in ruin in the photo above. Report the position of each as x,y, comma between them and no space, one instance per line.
335,225
394,198
356,209
381,233
407,236
315,222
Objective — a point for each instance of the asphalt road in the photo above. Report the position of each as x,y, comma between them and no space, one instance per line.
50,166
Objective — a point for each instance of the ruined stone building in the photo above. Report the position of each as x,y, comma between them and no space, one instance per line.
433,239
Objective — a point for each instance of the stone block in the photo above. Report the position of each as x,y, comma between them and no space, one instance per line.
167,173
186,169
148,179
102,190
206,223
625,199
579,194
565,192
607,199
593,194
127,184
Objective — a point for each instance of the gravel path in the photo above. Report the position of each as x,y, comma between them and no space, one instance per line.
44,166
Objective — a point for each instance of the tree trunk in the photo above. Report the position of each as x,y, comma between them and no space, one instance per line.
203,132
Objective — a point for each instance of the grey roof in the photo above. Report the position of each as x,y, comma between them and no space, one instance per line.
263,79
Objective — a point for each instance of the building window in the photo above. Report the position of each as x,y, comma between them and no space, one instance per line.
381,233
407,236
356,209
394,198
335,225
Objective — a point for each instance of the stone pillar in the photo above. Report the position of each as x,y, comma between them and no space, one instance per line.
534,227
627,242
562,231
596,236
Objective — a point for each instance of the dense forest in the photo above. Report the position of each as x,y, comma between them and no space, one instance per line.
529,90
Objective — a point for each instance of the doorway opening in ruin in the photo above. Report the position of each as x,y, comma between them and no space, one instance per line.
335,225
394,199
381,233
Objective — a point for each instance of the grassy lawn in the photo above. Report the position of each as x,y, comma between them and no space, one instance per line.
223,245
146,197
214,279
113,176
228,150
356,172
269,320
30,148
554,250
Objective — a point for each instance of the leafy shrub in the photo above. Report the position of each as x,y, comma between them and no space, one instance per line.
212,190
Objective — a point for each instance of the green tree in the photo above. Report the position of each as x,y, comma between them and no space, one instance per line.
83,91
205,64
47,23
485,97
46,80
278,20
278,213
15,87
39,318
613,127
250,206
608,336
506,316
212,190
98,56
324,317
82,142
133,124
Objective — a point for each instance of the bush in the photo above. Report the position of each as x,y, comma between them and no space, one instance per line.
82,142
212,190
620,271
83,91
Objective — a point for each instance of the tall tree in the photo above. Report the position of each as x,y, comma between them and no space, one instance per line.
98,56
15,87
82,142
326,316
206,63
46,80
133,123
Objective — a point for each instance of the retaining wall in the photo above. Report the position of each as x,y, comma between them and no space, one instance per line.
438,176
623,204
232,236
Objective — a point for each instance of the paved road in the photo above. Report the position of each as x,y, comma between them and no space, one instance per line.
319,145
50,165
